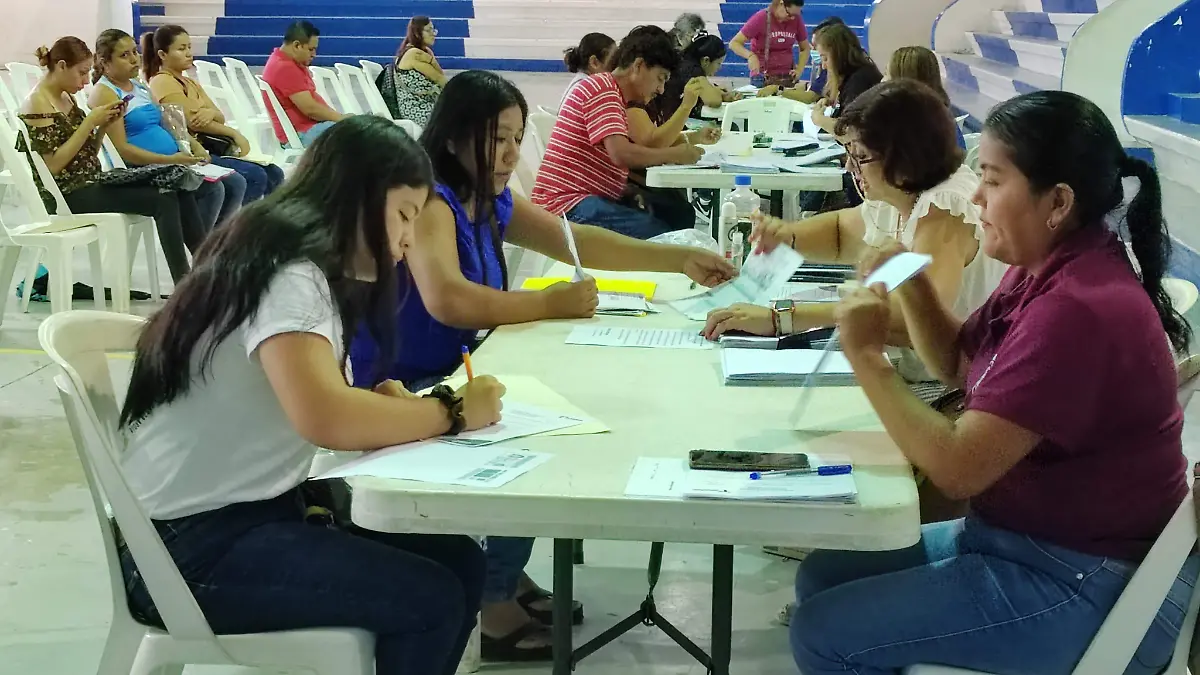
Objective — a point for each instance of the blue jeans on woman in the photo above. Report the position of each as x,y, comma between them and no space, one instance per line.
218,200
259,567
631,222
261,180
970,596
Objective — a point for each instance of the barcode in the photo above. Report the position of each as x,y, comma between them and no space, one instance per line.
510,461
484,475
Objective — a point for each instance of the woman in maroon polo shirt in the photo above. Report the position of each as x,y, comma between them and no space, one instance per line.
1069,448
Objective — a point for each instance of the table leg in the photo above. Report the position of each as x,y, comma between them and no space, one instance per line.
722,609
564,593
777,203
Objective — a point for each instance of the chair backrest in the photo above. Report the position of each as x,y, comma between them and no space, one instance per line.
353,78
18,165
1117,640
243,83
770,115
541,125
411,127
24,78
232,102
371,68
330,88
972,156
293,138
8,102
79,343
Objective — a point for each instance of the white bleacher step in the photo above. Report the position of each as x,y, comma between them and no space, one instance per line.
599,10
1046,25
1176,147
970,102
998,81
1036,54
563,29
194,25
210,8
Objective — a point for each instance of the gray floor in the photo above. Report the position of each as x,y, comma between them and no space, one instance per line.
55,600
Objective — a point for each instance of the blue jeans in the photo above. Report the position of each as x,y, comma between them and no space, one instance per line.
218,200
307,137
971,596
258,567
625,220
506,560
260,180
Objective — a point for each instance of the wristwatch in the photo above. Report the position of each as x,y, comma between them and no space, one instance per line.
453,405
781,316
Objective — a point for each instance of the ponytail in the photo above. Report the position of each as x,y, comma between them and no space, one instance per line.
573,60
151,63
1151,244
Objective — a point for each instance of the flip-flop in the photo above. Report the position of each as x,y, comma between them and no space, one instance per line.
546,617
506,648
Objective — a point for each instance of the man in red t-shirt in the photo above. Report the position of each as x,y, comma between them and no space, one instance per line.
287,73
773,34
589,153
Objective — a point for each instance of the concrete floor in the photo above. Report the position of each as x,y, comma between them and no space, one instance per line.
55,599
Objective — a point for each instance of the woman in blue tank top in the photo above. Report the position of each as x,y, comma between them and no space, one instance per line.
144,137
457,264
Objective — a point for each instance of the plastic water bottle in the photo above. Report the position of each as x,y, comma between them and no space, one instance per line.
736,209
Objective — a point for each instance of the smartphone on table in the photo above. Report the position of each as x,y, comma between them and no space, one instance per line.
739,460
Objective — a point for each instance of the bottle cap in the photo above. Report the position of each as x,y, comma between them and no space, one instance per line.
742,181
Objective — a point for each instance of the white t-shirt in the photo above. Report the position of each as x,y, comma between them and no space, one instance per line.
227,440
579,77
981,276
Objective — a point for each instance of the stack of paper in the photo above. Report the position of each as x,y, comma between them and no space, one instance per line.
433,462
656,338
784,368
210,172
624,304
749,165
667,478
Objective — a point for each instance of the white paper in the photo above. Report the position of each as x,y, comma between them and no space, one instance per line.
750,362
898,270
624,304
655,338
433,462
761,280
747,89
657,478
795,164
738,485
210,172
569,235
824,293
516,420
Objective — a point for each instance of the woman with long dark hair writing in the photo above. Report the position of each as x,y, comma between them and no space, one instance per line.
241,376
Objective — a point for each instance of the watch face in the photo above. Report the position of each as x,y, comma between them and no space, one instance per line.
782,305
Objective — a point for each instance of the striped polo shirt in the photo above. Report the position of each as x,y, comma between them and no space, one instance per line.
576,165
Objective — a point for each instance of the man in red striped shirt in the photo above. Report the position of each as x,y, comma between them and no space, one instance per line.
589,154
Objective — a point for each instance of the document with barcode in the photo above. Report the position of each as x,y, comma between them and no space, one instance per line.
761,280
434,462
654,338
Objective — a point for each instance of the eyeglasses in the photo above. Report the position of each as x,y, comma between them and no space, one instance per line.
854,165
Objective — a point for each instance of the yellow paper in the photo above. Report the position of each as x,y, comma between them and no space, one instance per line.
645,288
531,391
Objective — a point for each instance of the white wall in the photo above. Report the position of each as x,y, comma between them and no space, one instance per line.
901,23
1095,65
29,24
962,16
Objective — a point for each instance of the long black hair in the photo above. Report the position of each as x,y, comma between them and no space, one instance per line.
598,45
160,39
704,46
1056,137
334,200
467,115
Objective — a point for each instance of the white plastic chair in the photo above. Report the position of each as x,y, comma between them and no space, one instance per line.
769,115
243,82
119,232
330,88
357,78
541,125
371,68
972,157
292,150
1119,636
78,342
24,78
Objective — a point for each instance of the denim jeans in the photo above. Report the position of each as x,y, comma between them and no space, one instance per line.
629,221
258,567
260,180
506,561
307,137
970,596
218,200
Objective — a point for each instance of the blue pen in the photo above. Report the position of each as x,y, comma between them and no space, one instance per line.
831,470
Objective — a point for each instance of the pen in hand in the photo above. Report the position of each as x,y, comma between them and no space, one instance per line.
466,354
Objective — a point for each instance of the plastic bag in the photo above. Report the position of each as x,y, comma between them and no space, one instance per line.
688,237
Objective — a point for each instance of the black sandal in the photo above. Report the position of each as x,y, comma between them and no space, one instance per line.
526,600
505,649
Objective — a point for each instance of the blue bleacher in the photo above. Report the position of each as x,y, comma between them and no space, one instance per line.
373,29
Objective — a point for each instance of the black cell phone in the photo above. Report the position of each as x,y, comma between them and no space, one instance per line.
738,460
